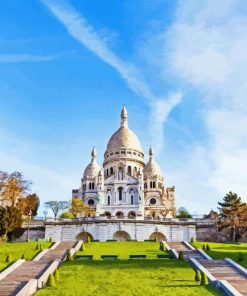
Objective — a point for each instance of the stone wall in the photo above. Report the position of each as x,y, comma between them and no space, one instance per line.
106,230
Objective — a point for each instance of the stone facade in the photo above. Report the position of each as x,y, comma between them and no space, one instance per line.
126,187
104,230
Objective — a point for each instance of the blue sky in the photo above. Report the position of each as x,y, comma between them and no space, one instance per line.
67,67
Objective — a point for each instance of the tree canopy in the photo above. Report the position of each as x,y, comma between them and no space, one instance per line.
79,208
10,219
183,213
57,206
233,216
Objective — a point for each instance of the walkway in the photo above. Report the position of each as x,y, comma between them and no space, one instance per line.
220,269
18,278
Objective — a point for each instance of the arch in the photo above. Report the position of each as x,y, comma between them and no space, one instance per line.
129,169
121,236
108,215
120,173
91,202
119,215
111,171
158,236
131,215
84,235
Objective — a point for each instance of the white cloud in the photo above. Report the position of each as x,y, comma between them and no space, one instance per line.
208,45
78,27
21,58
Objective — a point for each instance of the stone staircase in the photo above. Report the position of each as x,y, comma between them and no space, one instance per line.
220,269
18,278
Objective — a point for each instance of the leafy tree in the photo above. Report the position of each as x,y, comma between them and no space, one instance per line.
79,208
233,218
197,276
10,218
67,215
240,257
12,187
180,256
183,213
8,258
29,204
204,279
56,206
51,281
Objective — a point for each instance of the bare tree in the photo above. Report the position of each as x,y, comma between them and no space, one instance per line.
57,206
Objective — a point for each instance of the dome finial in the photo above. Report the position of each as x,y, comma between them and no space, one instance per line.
151,152
93,153
124,117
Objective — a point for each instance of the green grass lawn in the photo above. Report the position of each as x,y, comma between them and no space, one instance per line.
122,249
125,277
223,250
17,249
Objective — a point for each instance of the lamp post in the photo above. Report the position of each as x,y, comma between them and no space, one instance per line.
29,218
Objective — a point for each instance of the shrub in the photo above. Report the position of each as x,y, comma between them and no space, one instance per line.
50,240
69,258
162,246
180,256
204,248
197,276
51,281
8,258
204,279
192,240
83,247
23,256
67,215
208,247
40,247
240,257
56,275
37,247
88,240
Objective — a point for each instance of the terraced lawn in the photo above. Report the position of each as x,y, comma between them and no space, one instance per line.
122,249
149,276
17,249
223,250
125,277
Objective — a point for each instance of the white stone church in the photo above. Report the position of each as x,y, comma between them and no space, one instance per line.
126,186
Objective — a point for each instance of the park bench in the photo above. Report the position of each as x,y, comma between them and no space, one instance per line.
137,256
164,256
149,240
109,257
111,240
82,257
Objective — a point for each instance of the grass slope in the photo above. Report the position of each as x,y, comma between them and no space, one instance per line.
135,278
17,249
122,249
223,250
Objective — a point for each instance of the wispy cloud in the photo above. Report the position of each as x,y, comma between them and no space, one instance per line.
21,58
79,28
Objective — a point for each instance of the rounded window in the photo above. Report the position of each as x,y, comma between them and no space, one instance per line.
91,202
153,201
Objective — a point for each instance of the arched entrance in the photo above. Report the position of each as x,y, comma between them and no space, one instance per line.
131,215
108,215
84,236
119,215
157,236
121,236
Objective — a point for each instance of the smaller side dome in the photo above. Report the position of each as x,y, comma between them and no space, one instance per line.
93,169
152,169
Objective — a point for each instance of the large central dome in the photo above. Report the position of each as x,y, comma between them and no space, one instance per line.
124,137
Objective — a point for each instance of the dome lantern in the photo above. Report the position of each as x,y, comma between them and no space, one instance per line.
124,117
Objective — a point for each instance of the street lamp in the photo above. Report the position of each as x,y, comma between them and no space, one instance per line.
28,222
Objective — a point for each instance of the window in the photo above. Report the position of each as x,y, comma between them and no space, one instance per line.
132,199
120,173
145,185
111,171
129,170
153,201
91,202
120,193
129,152
93,185
154,185
117,152
108,200
107,173
122,152
90,186
151,184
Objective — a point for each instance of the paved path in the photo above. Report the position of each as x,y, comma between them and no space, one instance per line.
220,269
18,278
